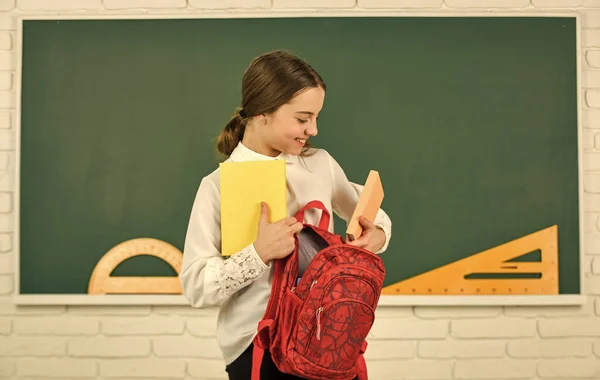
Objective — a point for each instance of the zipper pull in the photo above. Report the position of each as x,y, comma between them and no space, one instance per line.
319,323
313,284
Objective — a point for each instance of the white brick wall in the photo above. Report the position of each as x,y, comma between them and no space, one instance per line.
141,342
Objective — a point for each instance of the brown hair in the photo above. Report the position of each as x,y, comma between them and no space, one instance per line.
271,80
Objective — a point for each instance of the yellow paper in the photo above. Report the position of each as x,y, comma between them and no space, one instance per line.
243,186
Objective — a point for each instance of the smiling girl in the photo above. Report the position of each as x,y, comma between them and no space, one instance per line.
282,97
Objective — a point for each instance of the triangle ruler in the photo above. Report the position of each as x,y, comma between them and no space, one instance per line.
101,281
491,272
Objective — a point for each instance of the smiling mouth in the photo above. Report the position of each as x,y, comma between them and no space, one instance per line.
301,141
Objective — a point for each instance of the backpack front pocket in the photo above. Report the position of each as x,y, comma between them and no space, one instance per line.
338,330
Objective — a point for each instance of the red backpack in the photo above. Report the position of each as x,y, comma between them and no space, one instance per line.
316,329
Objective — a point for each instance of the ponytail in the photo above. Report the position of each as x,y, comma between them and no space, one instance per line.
232,134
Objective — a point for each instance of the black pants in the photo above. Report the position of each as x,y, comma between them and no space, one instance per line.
241,368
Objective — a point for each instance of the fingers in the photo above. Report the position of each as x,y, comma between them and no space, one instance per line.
360,242
290,221
296,227
264,213
366,223
287,221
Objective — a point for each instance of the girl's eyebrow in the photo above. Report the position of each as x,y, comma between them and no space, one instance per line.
306,112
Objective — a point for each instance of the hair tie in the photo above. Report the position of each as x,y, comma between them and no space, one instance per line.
240,111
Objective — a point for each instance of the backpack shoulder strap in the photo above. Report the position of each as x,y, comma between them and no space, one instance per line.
325,216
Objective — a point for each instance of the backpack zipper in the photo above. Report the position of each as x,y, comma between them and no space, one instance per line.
319,310
293,289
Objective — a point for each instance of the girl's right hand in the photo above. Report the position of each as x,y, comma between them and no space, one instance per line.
275,240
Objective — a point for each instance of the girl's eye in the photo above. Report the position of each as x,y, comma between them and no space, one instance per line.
302,121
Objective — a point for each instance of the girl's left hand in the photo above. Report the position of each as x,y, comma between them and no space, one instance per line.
372,238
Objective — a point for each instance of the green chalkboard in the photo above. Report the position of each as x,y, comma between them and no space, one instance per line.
471,122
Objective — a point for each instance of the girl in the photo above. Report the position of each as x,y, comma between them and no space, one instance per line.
282,96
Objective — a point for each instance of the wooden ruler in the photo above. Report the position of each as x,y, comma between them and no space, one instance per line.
502,277
101,281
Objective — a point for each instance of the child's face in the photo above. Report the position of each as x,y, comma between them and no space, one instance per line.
288,128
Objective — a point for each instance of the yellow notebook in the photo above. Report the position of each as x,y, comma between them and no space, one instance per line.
243,186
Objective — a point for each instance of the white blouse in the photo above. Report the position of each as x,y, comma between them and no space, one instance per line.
241,284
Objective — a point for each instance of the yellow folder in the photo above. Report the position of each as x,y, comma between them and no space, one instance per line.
243,186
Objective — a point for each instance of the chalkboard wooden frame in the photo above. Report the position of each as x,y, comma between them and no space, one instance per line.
60,299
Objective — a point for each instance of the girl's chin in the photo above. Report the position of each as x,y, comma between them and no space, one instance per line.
293,149
296,150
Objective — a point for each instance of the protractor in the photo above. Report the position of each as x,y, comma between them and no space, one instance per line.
101,281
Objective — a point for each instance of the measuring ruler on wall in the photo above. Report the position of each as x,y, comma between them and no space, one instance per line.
101,281
466,276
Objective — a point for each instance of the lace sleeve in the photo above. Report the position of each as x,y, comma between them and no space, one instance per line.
240,269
